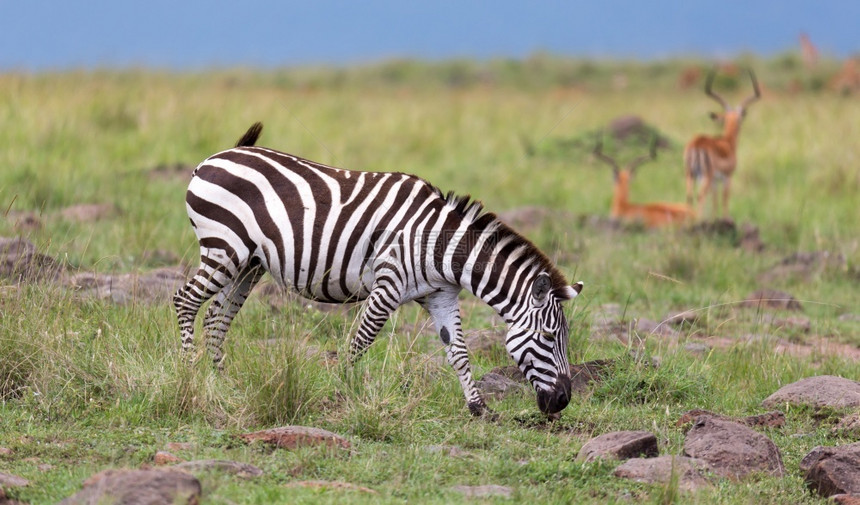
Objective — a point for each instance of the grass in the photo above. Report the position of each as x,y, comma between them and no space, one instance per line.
87,385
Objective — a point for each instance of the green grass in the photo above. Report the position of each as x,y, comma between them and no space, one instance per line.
87,385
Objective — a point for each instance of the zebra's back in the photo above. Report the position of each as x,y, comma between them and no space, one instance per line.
312,226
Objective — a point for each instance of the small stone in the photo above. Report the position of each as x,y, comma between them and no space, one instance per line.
331,484
771,299
9,480
243,470
680,318
619,445
165,458
660,470
292,437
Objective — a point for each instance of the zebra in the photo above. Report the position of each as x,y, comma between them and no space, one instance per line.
385,238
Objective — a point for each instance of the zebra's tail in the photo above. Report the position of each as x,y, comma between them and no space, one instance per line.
250,137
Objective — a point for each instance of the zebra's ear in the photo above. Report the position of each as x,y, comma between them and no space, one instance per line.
568,292
541,288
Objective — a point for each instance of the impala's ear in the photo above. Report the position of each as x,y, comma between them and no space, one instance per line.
568,292
541,288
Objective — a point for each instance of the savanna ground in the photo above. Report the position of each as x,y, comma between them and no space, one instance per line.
87,385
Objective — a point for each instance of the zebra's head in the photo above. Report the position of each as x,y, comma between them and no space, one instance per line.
537,341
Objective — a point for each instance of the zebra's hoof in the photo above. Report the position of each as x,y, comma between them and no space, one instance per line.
480,409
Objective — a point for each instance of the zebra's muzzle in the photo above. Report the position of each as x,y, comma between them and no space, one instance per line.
555,399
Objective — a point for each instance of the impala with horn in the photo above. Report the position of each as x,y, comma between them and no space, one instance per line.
652,215
708,157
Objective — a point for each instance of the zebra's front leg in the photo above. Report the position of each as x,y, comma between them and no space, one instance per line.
445,311
383,301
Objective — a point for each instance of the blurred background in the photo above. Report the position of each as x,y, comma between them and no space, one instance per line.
45,35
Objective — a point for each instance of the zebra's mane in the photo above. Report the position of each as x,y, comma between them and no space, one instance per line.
473,210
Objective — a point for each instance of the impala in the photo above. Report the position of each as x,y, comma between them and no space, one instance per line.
652,215
706,157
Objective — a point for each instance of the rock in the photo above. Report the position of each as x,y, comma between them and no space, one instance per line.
20,262
771,299
685,317
485,342
496,386
649,327
157,286
853,318
583,375
848,425
749,240
833,470
690,471
802,266
131,487
331,484
846,499
179,446
243,470
24,221
818,391
88,212
773,419
292,437
485,491
5,451
9,480
732,449
619,445
162,458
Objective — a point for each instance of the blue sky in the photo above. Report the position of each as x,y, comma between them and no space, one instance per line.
193,34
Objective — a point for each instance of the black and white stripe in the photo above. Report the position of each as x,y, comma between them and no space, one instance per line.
337,236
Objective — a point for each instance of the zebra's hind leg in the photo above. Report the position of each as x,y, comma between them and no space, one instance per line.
187,301
383,301
224,308
445,311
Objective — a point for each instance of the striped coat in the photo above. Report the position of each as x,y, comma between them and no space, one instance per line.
337,236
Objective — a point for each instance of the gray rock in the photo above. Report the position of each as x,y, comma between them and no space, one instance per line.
20,262
243,470
853,318
833,470
697,348
619,445
497,386
9,480
732,449
771,299
685,317
691,472
157,286
138,487
818,391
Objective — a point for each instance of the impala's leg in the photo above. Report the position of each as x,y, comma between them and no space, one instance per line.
703,192
210,278
727,184
224,308
383,300
691,187
445,311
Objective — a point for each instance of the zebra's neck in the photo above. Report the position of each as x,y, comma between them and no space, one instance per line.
492,261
